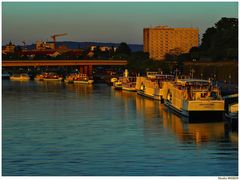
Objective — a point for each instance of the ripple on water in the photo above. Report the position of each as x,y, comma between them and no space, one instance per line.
74,130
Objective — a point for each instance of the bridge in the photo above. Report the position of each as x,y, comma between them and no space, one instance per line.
85,66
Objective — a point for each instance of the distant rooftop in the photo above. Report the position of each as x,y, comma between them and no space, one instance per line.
168,27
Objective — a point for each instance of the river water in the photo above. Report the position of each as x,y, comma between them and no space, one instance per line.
75,130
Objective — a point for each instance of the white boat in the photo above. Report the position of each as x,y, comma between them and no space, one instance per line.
129,84
118,84
78,78
232,115
112,81
232,112
50,76
152,85
20,77
39,77
194,98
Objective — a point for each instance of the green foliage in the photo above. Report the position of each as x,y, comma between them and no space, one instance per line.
221,41
139,62
123,49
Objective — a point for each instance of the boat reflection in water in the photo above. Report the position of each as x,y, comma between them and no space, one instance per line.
193,132
150,111
80,89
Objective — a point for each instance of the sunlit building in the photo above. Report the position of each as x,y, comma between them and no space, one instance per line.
163,39
40,45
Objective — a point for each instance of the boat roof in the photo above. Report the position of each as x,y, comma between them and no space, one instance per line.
164,75
193,80
231,96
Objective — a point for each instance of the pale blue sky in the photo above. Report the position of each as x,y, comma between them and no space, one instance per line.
105,21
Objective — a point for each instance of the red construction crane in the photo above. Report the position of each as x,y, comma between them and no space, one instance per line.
54,38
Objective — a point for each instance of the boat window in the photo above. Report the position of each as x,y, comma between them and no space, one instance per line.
214,94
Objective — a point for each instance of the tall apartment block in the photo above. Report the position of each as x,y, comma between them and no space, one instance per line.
162,39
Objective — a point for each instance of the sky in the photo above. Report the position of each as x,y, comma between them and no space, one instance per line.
105,21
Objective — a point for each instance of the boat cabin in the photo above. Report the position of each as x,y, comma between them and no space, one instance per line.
196,89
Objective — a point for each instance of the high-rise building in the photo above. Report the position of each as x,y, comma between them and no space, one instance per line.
163,39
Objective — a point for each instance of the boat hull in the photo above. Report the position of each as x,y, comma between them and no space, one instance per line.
19,79
200,114
150,96
50,79
117,85
129,89
83,82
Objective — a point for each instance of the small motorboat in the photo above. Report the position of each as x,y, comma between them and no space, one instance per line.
20,77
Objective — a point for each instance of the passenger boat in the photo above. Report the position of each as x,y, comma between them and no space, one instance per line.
194,98
129,84
20,77
78,78
231,110
113,80
51,76
39,77
151,86
118,84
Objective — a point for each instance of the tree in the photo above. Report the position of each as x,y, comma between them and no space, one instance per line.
221,41
123,49
195,53
208,38
173,54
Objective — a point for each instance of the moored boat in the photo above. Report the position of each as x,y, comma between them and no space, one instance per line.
113,80
52,76
194,98
20,77
151,86
39,77
79,78
129,84
118,84
231,110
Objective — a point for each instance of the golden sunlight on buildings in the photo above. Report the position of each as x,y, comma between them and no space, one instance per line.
162,39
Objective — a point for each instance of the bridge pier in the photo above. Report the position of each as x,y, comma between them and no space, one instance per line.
86,69
90,70
81,69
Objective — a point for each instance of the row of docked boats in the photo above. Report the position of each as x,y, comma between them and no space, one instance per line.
51,76
192,98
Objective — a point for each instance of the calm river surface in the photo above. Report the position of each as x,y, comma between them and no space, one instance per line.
57,129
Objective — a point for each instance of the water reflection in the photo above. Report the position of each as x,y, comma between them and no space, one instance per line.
148,109
80,89
149,116
49,84
125,95
193,132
